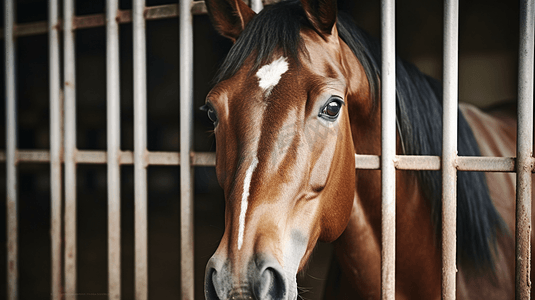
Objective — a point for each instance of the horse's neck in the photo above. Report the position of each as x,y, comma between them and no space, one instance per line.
358,250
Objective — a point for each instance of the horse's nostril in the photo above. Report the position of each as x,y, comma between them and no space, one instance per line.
271,284
211,284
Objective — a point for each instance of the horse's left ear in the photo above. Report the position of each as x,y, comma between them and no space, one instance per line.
321,14
229,17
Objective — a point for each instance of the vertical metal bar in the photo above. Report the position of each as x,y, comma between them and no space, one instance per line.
449,150
524,151
186,147
388,150
70,149
11,148
140,150
55,147
257,5
114,139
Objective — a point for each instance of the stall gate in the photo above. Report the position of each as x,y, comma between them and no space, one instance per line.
65,155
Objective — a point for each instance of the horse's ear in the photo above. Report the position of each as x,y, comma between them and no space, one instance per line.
321,14
229,17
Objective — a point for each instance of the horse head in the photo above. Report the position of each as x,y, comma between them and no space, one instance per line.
284,146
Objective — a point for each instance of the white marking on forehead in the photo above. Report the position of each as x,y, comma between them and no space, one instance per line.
244,200
269,75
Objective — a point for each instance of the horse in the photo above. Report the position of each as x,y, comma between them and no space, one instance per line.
293,102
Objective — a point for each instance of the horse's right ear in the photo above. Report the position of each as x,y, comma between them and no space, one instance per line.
229,17
321,14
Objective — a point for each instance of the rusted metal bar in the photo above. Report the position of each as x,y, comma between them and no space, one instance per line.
186,148
11,148
97,20
124,16
486,164
114,140
166,158
524,151
56,116
33,156
421,162
367,162
388,150
207,159
198,8
140,151
34,28
69,88
449,149
161,12
160,158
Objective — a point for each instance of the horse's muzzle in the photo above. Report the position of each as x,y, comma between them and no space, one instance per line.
263,279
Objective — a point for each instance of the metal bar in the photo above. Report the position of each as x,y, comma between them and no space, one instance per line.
55,148
524,151
11,148
420,162
449,149
114,140
34,28
34,156
98,20
486,164
125,16
186,148
69,87
140,151
198,8
367,162
388,150
257,5
207,159
161,12
160,158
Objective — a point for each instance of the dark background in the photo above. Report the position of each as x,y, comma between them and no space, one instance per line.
487,75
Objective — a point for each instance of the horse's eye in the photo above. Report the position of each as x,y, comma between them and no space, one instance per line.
212,116
210,112
332,109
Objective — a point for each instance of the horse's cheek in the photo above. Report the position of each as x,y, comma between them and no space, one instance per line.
337,200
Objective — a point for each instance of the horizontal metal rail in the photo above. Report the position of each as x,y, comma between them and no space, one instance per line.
207,159
157,158
99,20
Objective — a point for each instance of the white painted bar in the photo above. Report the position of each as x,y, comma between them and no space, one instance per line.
55,148
11,149
388,150
524,151
257,5
114,140
140,150
186,147
69,88
449,149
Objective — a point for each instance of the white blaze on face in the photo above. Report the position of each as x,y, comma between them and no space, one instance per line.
269,75
244,200
295,250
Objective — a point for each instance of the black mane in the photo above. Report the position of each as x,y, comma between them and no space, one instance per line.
419,117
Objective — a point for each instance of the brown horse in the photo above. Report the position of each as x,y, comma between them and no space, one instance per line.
295,99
